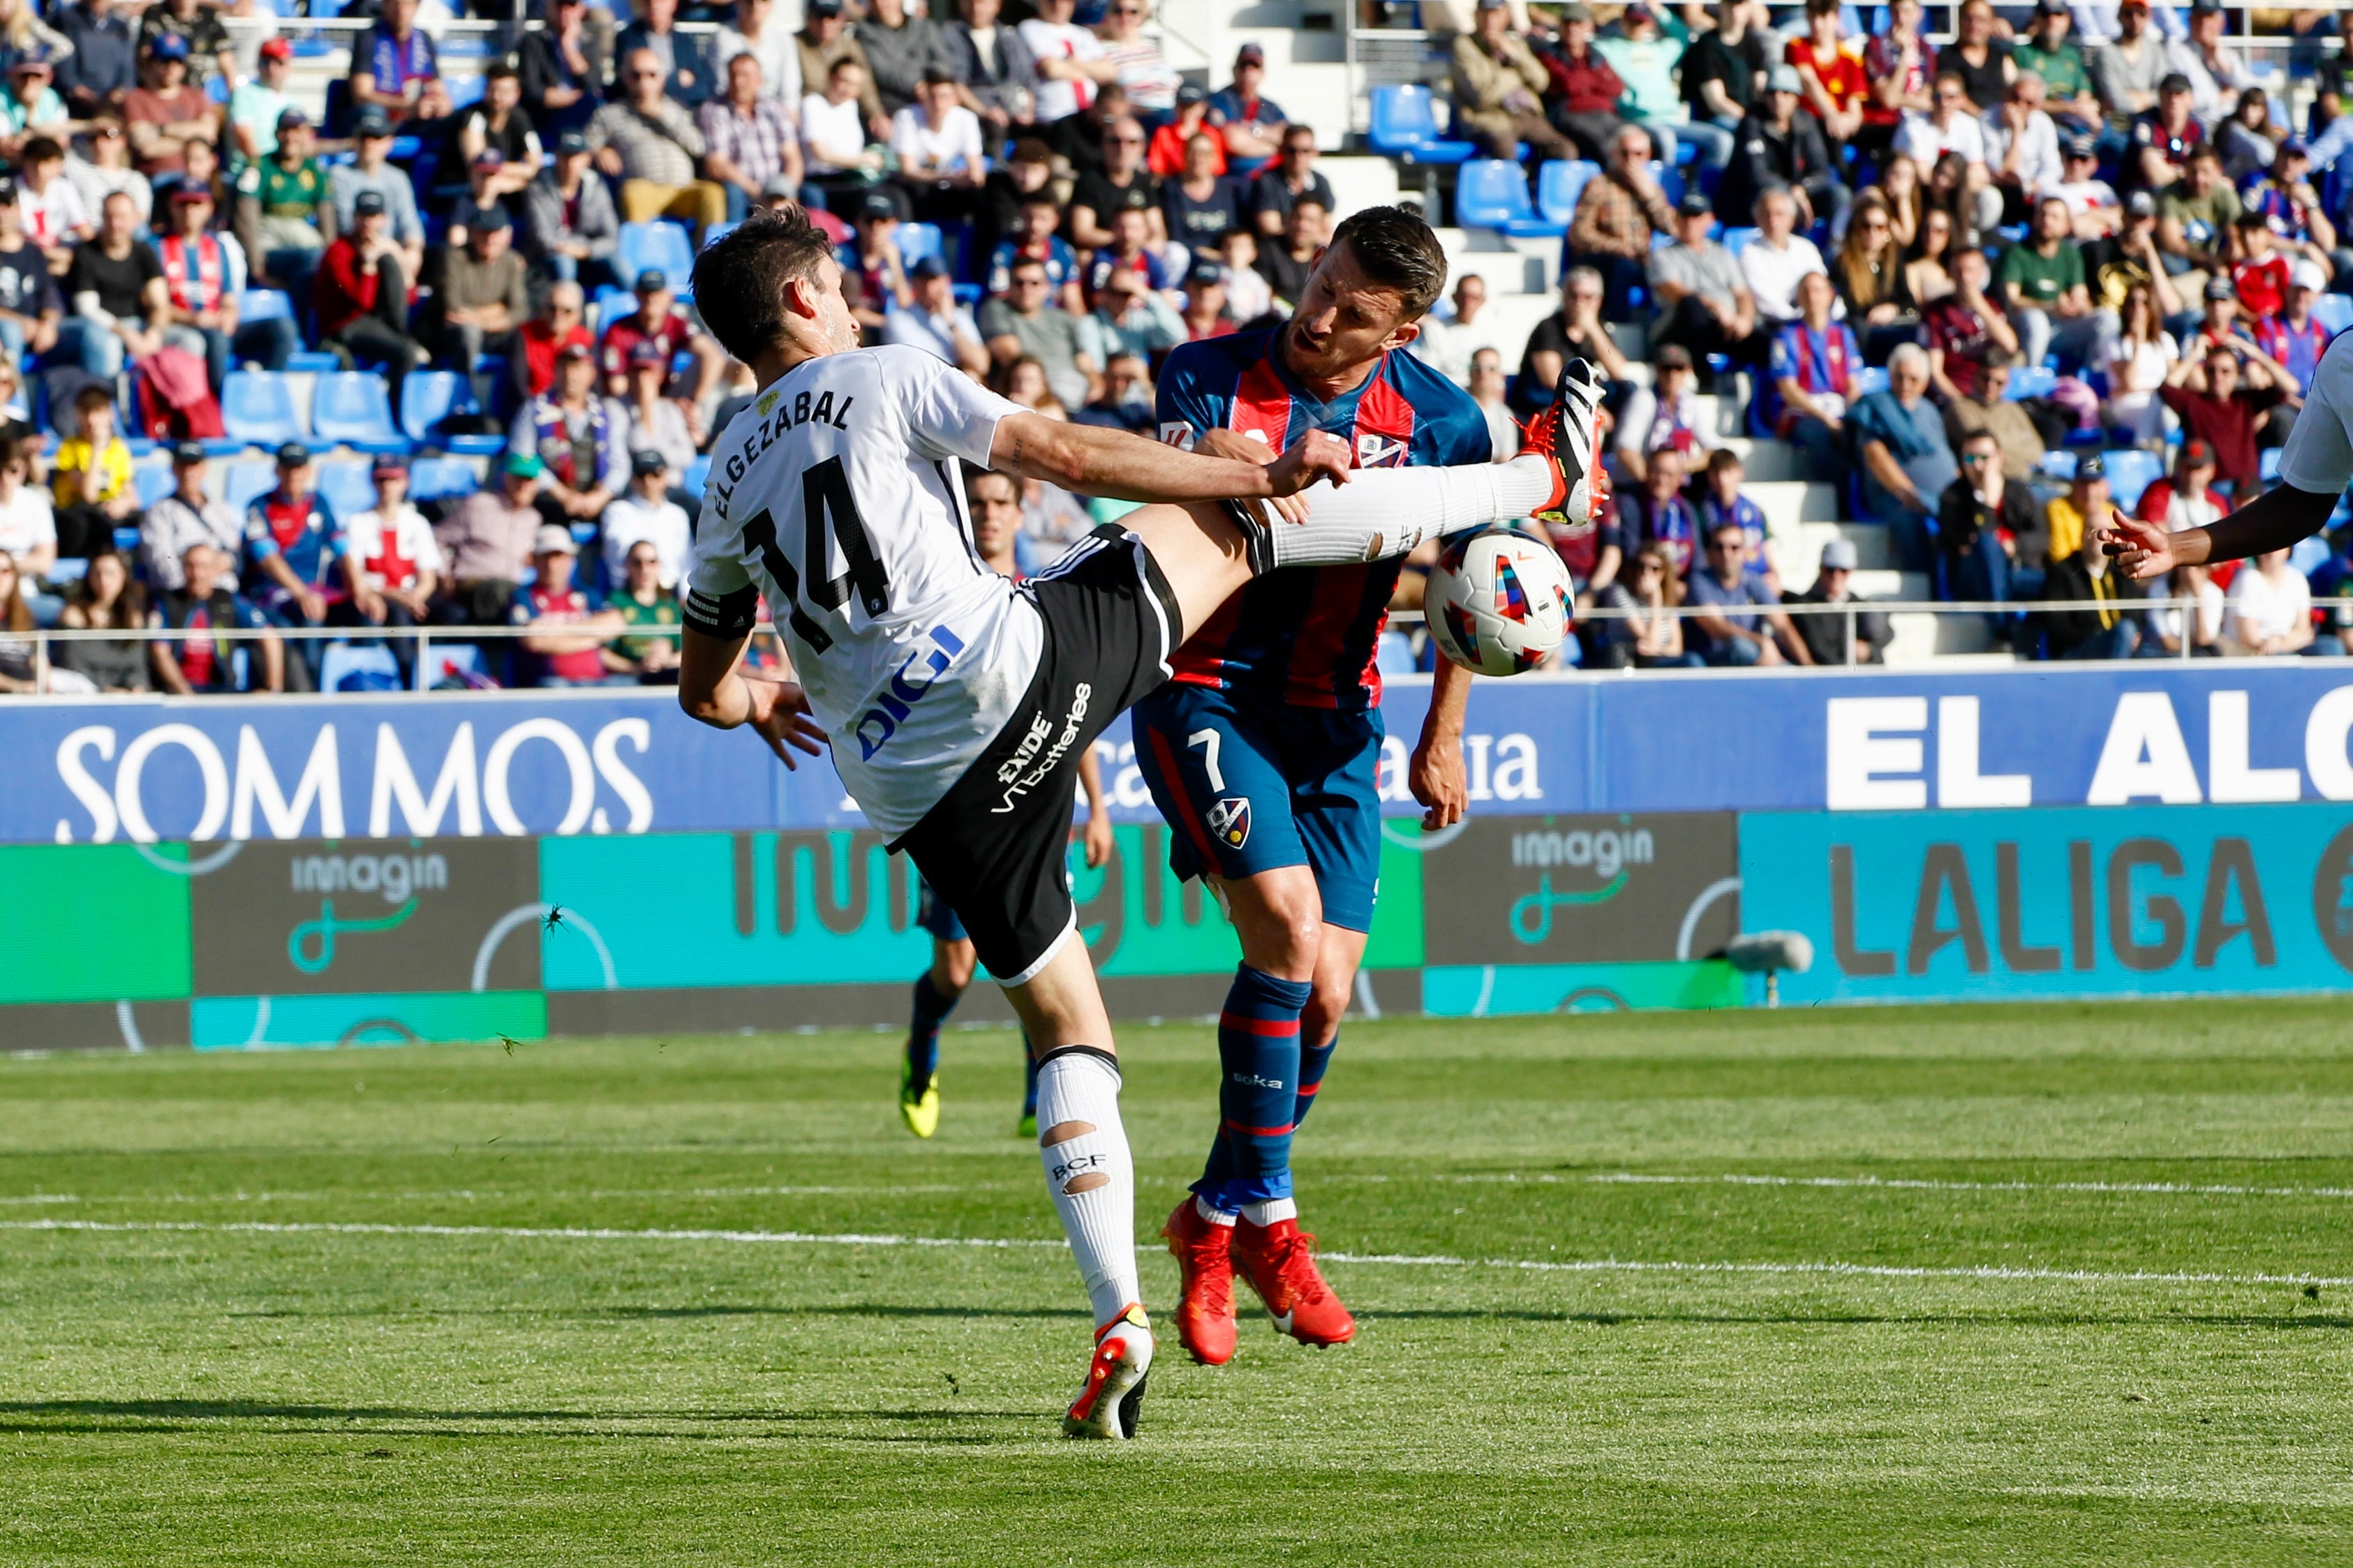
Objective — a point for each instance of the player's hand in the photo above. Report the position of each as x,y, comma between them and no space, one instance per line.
1318,455
1241,448
780,712
2141,550
1096,838
1437,780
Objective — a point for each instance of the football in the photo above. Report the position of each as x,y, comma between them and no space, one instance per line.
1498,602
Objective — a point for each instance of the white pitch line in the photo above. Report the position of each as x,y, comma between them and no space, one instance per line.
470,1195
1406,1261
1637,1178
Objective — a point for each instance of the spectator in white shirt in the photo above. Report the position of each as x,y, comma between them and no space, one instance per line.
758,32
2022,142
833,132
185,518
936,323
52,210
2216,72
645,513
1779,256
1070,60
940,156
1447,343
391,561
28,526
1953,127
1487,390
2270,605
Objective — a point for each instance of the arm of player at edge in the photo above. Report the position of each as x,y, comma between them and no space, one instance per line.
2279,518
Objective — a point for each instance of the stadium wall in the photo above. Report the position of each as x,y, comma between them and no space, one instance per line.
352,870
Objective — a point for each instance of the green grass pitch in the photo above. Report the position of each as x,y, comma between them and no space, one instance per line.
2074,1320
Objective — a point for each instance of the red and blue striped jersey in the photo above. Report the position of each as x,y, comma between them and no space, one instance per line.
1307,636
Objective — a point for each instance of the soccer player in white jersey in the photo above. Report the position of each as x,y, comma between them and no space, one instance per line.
2314,469
958,703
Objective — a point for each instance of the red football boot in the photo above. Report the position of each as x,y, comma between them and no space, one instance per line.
1204,1302
1279,1261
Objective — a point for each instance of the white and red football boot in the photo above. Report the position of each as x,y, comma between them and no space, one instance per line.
1205,1301
1108,1405
1279,1261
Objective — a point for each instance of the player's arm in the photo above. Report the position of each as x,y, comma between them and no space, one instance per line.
722,606
1097,834
1436,776
1098,461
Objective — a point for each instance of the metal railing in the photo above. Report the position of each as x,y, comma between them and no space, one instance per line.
420,639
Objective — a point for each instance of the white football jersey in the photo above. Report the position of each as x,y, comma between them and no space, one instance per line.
837,497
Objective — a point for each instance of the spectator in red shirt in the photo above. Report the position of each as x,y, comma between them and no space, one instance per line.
1586,90
560,326
2261,273
362,297
2216,408
1963,327
1900,65
657,320
551,606
2188,499
1836,84
1166,154
189,665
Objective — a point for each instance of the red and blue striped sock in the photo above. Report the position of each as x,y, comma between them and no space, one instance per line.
1313,1061
1257,1056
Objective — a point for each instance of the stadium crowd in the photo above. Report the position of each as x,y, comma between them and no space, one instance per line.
1888,239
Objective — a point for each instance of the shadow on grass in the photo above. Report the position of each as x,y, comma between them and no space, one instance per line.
653,1314
1866,1319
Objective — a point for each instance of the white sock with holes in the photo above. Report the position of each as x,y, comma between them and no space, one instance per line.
1091,1176
1381,512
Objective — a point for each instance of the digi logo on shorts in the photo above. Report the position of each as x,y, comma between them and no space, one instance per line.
898,699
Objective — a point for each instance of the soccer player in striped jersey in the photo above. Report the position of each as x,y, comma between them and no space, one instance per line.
1263,749
959,703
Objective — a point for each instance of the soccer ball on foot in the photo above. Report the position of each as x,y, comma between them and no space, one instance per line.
1498,602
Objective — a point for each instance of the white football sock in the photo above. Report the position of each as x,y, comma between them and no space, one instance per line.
1381,512
1082,1088
1210,1212
1268,1213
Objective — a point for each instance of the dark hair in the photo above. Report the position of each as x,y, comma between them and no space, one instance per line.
40,150
1722,457
502,69
1395,248
129,606
934,75
740,278
90,397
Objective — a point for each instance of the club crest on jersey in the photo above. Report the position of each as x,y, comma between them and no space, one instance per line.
1177,433
1229,819
898,697
1380,452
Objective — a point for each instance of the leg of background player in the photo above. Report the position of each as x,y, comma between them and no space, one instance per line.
1027,1126
937,991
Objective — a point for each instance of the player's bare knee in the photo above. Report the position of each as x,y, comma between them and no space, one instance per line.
1320,1019
953,968
1063,1131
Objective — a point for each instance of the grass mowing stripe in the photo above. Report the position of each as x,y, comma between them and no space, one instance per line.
1637,1178
1396,1259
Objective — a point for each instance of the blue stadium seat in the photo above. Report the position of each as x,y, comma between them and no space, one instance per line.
719,231
1670,181
368,667
313,361
153,481
2059,465
1405,127
347,487
2334,312
1559,182
243,483
436,478
465,92
2267,463
657,245
609,306
257,408
917,240
1870,379
2030,381
2131,472
428,398
698,474
1736,240
264,305
1494,194
352,408
448,661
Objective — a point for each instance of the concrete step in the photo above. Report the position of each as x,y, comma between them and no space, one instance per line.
1788,503
1946,641
1506,270
1358,183
1872,549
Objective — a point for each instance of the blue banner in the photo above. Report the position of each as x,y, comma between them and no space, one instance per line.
560,764
1945,906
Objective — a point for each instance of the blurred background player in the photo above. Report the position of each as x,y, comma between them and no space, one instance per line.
995,502
1261,752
